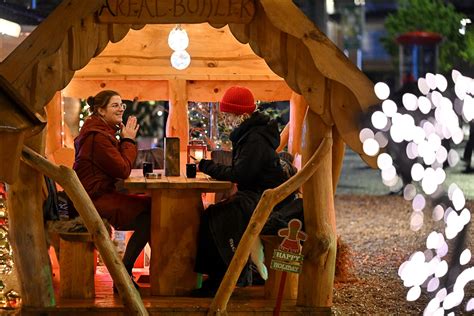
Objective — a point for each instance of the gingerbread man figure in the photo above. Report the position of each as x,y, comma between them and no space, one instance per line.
293,235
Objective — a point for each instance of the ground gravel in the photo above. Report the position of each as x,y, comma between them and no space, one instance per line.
376,229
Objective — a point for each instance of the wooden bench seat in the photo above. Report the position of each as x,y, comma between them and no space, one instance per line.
77,263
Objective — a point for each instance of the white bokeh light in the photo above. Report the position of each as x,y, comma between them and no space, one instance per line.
409,192
438,213
432,121
465,257
379,119
441,82
410,101
424,105
365,133
384,161
431,80
381,139
413,294
382,91
371,146
423,86
419,202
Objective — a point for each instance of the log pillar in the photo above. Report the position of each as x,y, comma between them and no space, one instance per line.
316,281
54,126
27,233
298,109
178,122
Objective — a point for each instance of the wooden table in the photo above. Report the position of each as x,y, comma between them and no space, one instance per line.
176,209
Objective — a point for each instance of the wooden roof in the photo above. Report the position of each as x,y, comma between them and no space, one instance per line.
139,66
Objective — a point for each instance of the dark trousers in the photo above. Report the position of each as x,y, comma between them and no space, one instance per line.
141,235
208,259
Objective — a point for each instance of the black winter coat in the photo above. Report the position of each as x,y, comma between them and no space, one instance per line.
255,168
255,163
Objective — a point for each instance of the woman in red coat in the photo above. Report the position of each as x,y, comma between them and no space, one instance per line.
101,159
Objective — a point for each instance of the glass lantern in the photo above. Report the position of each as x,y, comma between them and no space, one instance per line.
196,150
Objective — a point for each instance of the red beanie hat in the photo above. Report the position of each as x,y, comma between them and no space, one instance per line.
237,100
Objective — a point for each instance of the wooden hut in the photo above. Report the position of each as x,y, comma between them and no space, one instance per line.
287,57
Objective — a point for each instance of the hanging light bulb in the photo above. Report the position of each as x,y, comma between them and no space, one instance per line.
180,59
10,28
178,39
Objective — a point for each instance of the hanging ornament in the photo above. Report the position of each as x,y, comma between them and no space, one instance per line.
178,39
180,60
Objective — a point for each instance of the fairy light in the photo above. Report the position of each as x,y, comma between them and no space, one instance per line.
10,299
423,141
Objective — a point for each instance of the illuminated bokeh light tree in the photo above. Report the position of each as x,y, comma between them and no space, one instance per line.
418,127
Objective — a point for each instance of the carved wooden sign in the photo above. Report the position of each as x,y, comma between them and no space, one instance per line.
177,11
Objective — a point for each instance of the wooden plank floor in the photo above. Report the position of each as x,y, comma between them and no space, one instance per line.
244,301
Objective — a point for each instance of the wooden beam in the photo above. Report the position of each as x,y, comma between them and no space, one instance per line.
198,90
144,90
213,90
53,125
298,108
201,68
178,121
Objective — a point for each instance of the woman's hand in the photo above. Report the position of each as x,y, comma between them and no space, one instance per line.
129,130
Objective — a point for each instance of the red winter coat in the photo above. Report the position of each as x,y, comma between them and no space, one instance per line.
100,161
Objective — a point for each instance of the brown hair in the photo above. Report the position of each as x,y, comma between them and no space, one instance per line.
100,100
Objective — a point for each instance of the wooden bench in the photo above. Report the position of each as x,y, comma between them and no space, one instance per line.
272,284
77,263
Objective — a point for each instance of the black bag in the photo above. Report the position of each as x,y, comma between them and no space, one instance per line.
57,204
50,205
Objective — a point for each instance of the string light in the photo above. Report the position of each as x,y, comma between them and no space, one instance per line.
10,299
178,41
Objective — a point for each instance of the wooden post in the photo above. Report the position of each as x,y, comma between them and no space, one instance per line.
27,234
298,108
53,125
178,122
317,277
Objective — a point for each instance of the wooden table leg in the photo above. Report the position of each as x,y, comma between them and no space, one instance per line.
174,230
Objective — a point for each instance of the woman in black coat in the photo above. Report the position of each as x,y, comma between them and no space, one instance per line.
255,168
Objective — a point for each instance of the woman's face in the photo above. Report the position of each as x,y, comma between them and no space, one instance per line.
113,112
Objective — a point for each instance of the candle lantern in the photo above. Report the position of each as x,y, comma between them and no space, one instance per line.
197,150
